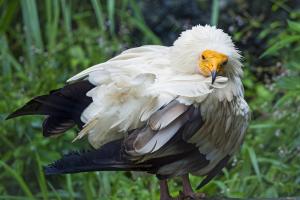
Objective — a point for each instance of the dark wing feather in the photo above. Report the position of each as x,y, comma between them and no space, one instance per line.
177,156
62,106
116,155
193,124
55,125
214,172
106,158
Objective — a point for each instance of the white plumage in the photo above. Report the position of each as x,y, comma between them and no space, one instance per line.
154,108
135,84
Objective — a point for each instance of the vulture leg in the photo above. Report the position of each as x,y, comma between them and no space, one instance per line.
188,192
164,191
187,188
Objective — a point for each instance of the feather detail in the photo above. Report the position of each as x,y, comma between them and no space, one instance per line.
161,127
86,128
164,117
160,138
62,106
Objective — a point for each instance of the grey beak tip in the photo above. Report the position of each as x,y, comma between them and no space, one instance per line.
213,76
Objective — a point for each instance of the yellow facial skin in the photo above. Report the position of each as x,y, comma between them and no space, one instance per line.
211,62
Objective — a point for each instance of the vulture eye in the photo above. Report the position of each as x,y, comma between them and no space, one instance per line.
224,63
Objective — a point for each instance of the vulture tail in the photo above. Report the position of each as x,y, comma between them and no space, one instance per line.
106,158
214,172
62,106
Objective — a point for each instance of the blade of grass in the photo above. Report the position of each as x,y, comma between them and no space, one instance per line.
32,32
52,18
8,197
215,13
6,142
124,6
66,10
7,15
136,10
144,29
32,21
139,21
87,189
282,5
6,58
13,61
70,187
254,162
18,178
6,67
41,178
54,191
99,16
105,185
28,38
111,15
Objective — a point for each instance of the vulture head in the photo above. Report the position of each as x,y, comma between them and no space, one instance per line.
206,50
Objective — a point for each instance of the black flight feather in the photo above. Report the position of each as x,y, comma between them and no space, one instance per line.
215,171
63,107
106,158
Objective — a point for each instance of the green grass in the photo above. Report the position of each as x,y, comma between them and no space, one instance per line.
43,43
215,12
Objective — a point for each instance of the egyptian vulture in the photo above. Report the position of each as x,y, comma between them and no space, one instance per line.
168,111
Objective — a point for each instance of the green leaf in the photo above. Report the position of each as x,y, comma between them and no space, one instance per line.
294,26
254,162
271,193
280,44
283,100
289,83
263,125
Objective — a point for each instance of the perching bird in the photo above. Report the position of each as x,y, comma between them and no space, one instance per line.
168,111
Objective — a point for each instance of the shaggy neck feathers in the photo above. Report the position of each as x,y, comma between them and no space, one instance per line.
188,47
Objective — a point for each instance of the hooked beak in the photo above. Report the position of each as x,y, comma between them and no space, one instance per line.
213,76
210,63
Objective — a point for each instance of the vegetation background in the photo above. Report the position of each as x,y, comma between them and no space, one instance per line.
42,43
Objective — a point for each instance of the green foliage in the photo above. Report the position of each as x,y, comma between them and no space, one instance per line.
215,13
43,43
